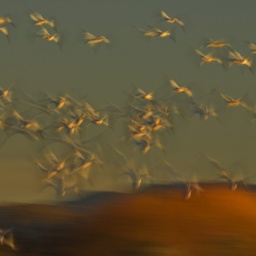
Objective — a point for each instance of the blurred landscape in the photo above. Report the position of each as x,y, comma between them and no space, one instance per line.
156,221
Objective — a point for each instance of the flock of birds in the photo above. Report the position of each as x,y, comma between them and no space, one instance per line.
48,32
64,119
147,119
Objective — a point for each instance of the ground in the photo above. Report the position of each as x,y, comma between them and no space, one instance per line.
153,221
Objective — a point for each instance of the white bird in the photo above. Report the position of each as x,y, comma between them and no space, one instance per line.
216,44
6,20
207,58
93,40
45,35
39,20
190,187
170,20
6,238
157,32
235,57
5,31
180,89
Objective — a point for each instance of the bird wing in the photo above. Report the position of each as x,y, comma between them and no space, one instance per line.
181,23
199,53
235,55
89,36
36,16
4,30
44,32
174,84
164,15
226,98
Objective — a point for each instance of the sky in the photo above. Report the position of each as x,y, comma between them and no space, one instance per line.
34,66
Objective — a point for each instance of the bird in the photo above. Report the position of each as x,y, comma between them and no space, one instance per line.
5,20
45,35
93,40
5,31
39,20
53,166
146,142
143,95
58,102
179,89
100,121
190,186
137,175
231,102
252,47
170,20
216,44
61,184
6,94
234,57
223,173
6,238
204,111
207,58
157,32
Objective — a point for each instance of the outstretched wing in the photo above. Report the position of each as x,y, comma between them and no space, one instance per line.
174,84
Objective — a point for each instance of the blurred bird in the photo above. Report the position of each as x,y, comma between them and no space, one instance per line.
216,44
61,184
58,102
179,89
93,40
137,175
146,142
100,121
204,111
91,112
6,238
157,32
190,186
235,57
172,20
207,58
252,47
231,102
5,20
223,172
39,20
6,94
4,30
143,95
45,35
53,166
70,127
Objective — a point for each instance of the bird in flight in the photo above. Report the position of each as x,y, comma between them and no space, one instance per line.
170,20
93,40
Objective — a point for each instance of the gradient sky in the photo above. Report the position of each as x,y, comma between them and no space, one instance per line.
35,66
